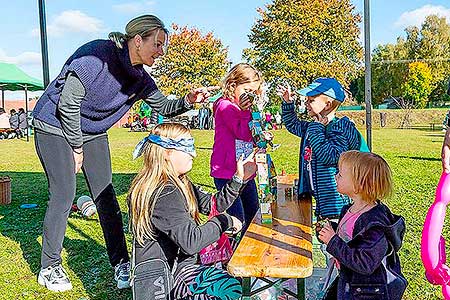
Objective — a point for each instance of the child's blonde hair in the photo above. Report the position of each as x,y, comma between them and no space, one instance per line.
148,184
371,174
240,74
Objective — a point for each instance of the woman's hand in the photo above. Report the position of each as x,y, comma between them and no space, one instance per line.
326,233
246,168
77,158
285,93
200,94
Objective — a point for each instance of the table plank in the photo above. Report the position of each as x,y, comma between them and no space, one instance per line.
282,249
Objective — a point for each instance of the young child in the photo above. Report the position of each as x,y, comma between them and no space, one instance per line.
164,209
232,114
368,235
322,142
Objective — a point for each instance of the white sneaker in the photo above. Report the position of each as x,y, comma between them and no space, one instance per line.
122,275
54,278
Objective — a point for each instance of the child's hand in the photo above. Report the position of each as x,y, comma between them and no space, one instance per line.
246,168
322,119
200,94
237,225
246,100
285,93
326,233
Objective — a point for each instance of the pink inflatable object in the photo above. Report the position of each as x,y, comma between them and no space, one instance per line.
433,244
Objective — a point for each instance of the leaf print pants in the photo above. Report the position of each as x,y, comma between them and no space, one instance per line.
198,282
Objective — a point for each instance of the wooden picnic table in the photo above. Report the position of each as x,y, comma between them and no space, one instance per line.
279,250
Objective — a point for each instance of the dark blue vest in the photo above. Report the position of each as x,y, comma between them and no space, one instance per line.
111,83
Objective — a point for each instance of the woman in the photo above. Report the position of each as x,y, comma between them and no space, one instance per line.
97,85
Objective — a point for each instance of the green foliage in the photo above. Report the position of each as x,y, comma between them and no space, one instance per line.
192,60
302,40
430,43
417,86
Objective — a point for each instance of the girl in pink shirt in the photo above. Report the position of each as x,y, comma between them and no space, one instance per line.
232,114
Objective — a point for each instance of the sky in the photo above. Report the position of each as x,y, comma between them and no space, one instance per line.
71,23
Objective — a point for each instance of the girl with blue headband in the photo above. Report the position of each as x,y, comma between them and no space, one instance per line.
165,208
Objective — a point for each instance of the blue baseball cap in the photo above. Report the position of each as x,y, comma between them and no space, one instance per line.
327,86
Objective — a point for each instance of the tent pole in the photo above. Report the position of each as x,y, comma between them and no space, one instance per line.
44,48
26,110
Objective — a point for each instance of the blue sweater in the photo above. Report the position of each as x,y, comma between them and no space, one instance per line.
326,144
111,83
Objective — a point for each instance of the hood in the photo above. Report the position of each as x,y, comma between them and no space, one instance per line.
394,229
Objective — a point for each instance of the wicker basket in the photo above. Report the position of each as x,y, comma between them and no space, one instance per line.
5,190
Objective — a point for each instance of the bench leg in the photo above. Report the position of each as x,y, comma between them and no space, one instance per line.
301,289
246,288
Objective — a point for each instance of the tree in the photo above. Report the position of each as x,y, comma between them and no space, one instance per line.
192,60
417,86
388,72
429,44
300,40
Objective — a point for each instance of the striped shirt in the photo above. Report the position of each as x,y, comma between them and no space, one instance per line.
326,144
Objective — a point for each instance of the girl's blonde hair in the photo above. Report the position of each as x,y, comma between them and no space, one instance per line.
240,74
144,26
155,175
371,174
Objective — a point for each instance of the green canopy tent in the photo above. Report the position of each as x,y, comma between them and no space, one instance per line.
14,79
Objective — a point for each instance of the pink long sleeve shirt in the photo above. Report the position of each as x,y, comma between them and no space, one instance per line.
231,124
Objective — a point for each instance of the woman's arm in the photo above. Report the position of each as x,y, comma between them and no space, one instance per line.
167,107
69,106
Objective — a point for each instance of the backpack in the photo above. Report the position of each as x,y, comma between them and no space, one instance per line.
151,279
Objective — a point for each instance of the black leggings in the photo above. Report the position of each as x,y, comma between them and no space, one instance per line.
56,158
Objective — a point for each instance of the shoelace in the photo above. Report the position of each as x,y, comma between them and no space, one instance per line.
58,273
124,269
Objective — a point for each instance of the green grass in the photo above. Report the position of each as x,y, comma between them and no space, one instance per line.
412,154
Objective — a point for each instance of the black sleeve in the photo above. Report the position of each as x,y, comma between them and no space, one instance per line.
224,198
172,217
167,107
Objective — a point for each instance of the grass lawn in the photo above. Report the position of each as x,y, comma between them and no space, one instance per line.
412,154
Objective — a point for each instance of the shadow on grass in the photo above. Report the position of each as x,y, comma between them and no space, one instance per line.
86,257
421,158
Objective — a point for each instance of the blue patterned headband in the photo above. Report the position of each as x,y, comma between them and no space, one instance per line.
183,144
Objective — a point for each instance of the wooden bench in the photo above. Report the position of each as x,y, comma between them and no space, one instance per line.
281,250
434,125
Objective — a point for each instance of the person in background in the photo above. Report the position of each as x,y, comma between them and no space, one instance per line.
278,120
23,122
4,119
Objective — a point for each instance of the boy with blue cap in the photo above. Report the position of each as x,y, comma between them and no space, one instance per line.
322,142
